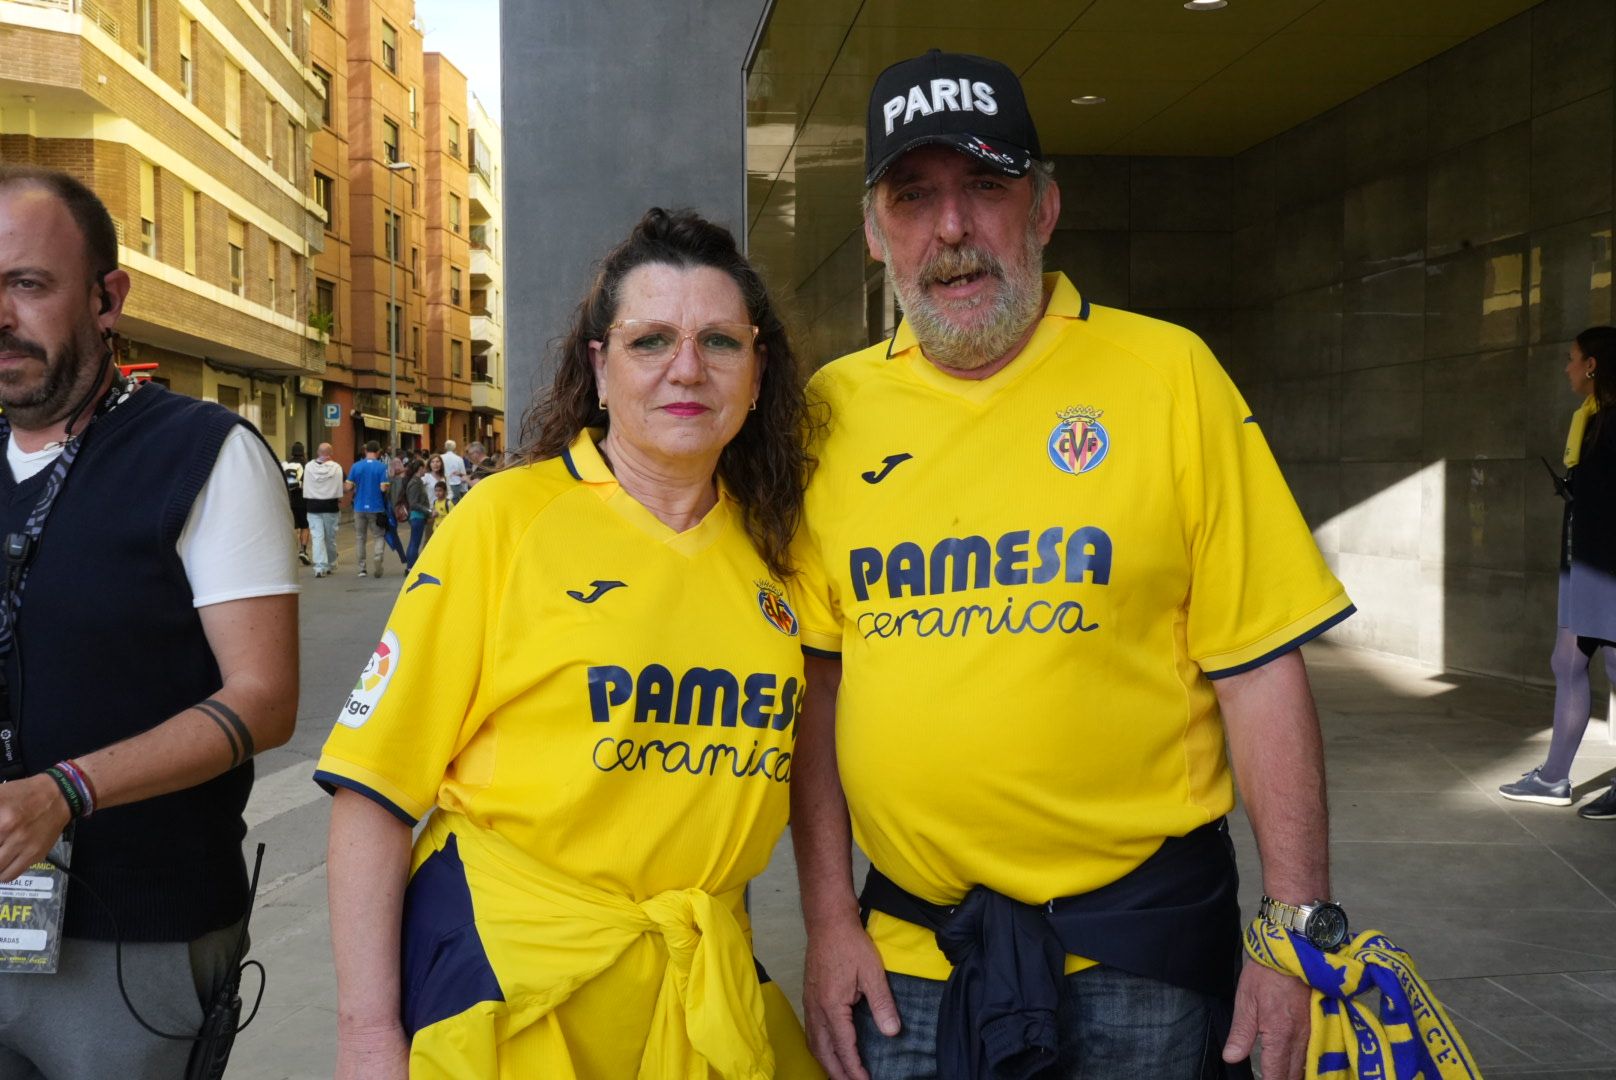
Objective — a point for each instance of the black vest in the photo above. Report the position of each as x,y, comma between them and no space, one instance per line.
109,645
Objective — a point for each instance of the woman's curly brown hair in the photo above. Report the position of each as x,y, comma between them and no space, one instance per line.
765,465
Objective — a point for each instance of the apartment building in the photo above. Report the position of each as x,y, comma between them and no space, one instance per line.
331,310
189,118
448,253
487,280
387,203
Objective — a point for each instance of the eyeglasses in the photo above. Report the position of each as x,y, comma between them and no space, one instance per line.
720,345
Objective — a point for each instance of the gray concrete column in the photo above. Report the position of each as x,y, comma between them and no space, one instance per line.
609,108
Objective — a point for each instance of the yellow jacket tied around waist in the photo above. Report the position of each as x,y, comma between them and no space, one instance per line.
548,937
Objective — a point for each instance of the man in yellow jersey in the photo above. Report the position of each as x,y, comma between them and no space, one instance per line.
1051,570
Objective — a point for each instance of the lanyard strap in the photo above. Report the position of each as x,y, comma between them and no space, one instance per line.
17,551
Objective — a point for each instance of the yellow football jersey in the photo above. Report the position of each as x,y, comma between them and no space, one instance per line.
615,700
1030,580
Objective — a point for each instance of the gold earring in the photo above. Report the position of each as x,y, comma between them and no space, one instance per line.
603,405
754,406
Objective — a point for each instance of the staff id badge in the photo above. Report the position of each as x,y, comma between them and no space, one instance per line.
31,910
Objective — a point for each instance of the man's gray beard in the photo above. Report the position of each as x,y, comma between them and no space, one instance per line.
1014,309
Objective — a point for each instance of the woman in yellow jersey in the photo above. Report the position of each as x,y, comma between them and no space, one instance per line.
590,682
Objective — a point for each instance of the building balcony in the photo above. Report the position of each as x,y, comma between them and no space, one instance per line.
484,267
484,332
173,310
76,65
486,397
484,199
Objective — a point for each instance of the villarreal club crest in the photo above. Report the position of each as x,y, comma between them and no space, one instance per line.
772,602
1079,442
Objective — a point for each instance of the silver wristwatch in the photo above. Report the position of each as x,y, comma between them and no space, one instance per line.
1323,923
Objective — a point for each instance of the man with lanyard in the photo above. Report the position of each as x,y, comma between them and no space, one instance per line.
148,622
1049,566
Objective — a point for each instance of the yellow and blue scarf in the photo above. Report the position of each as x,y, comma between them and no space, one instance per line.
1409,1035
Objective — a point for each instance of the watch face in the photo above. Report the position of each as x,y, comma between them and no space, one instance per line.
1326,927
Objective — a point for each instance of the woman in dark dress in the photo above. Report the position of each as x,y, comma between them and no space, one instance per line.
1587,614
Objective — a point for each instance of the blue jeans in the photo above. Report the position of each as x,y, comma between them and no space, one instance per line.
323,526
1112,1025
418,523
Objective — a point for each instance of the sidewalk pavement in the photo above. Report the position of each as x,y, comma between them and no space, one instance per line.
1509,909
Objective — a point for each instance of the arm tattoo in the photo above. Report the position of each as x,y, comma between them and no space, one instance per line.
235,732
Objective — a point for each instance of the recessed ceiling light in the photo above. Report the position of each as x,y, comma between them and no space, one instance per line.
1089,99
1205,5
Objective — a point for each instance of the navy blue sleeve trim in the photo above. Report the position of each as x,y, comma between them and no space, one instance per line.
823,654
1275,654
1083,312
331,782
566,459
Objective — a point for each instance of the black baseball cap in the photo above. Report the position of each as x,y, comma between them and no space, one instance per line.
971,103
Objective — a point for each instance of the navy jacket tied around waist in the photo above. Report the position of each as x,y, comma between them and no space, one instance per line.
1175,918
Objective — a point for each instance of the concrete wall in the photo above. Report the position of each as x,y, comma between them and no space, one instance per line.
1410,269
1150,234
1394,285
608,110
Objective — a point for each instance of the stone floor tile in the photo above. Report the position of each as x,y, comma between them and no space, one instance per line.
1453,816
1451,943
1539,1035
1479,876
1550,1072
287,1042
1602,983
1420,771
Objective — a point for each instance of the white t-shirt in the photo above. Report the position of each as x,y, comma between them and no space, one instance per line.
454,468
237,543
432,480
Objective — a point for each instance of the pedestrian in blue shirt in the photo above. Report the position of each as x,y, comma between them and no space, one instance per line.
368,483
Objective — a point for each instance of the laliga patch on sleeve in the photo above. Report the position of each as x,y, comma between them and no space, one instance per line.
372,682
